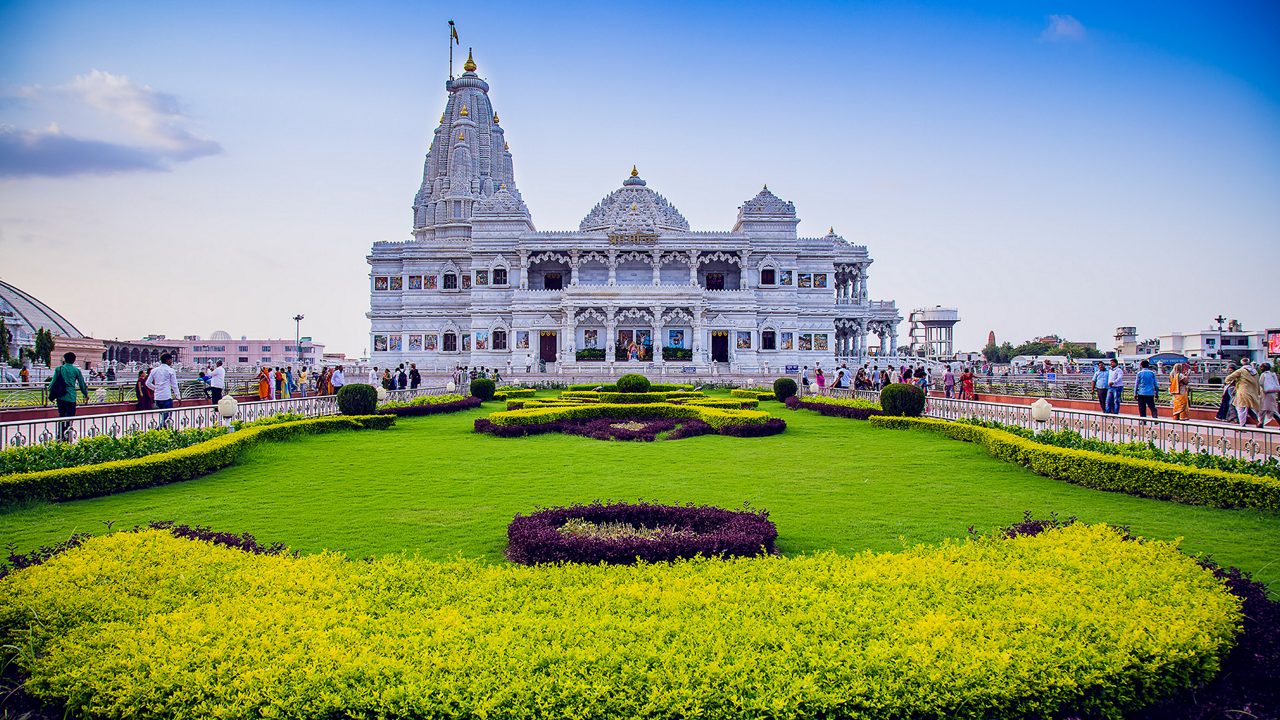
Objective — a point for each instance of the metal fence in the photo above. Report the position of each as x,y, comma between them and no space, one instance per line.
20,433
1202,395
1168,435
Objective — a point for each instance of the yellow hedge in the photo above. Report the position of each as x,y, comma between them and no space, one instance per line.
1078,620
753,394
715,417
1134,476
173,466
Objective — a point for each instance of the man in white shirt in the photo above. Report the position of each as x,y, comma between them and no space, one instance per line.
337,379
374,380
1115,387
218,382
163,382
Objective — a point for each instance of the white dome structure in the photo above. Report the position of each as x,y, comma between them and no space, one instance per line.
220,335
634,199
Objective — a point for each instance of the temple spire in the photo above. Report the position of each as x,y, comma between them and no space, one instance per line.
470,65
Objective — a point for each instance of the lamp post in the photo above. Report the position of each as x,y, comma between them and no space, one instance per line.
1041,411
297,338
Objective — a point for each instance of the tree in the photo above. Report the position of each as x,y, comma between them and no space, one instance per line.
44,346
1002,353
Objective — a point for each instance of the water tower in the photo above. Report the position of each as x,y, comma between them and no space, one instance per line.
933,331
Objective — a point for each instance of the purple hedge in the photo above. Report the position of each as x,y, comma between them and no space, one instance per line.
604,429
706,530
843,411
433,409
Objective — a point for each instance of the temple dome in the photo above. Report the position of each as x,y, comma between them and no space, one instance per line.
632,205
28,314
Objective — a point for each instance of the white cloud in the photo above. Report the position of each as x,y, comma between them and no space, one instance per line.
1063,28
157,128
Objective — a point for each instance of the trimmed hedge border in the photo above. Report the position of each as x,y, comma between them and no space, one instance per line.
833,409
601,428
708,531
715,417
469,403
1115,473
87,481
626,397
610,387
753,394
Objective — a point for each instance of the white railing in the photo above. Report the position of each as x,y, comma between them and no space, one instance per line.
1168,435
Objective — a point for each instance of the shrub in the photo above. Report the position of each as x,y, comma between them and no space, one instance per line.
753,394
902,400
589,354
483,388
166,467
625,397
357,399
783,388
632,383
612,387
681,532
1116,473
612,428
1073,622
440,404
851,408
104,448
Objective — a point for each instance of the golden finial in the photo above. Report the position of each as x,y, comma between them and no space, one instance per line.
470,65
464,112
634,172
633,207
503,186
441,118
495,118
506,146
461,136
831,230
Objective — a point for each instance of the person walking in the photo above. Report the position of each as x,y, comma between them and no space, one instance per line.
1228,396
290,384
62,390
1145,389
163,382
302,381
374,376
1115,387
337,380
804,380
415,377
948,382
217,382
402,378
1270,394
966,384
264,383
1248,392
1180,392
146,398
821,380
1100,385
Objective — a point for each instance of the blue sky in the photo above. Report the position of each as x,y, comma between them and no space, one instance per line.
1046,167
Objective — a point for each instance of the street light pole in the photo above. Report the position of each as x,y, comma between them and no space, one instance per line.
297,339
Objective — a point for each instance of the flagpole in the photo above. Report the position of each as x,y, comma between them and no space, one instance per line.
450,49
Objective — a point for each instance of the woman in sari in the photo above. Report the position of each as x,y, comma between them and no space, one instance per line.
966,384
264,383
1180,391
146,398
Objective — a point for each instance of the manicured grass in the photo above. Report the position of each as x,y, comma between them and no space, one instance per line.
431,485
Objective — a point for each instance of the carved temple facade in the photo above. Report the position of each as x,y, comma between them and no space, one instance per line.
478,285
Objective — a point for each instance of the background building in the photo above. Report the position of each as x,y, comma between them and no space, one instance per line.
1232,342
24,314
244,354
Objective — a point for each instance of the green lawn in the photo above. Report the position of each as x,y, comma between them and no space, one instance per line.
432,486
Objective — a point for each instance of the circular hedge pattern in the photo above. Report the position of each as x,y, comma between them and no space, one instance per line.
686,531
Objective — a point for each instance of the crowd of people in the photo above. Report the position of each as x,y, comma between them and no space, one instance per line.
869,378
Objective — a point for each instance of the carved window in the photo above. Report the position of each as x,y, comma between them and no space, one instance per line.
552,281
450,340
499,339
457,209
450,281
499,276
768,340
768,276
715,281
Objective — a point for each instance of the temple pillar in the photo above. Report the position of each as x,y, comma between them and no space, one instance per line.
693,267
570,333
658,342
613,266
742,266
573,267
524,270
657,267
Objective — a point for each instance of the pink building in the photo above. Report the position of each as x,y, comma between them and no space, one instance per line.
244,354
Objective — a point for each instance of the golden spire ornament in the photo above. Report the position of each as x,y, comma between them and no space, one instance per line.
470,65
634,172
831,230
506,146
462,136
464,112
495,118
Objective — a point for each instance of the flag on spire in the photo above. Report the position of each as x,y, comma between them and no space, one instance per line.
453,33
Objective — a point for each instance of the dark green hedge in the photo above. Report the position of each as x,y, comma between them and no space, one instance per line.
167,467
357,399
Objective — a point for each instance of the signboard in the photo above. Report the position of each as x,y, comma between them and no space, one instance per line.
793,369
688,370
1273,341
1051,376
